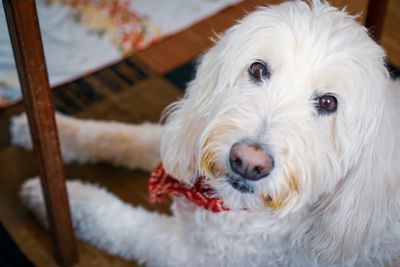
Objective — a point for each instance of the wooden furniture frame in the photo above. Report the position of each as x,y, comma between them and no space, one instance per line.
28,51
375,19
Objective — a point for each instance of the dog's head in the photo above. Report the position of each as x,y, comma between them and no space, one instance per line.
286,113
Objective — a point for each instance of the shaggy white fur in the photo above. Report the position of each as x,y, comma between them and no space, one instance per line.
333,197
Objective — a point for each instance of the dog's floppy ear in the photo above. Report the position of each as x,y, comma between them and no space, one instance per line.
347,224
187,119
350,222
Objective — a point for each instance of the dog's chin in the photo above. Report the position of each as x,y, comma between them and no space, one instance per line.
237,192
240,184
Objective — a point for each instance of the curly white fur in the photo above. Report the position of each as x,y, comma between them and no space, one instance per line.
336,181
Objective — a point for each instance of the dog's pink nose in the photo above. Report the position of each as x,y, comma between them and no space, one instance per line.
250,161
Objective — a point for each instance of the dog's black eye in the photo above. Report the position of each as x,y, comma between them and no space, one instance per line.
326,104
259,71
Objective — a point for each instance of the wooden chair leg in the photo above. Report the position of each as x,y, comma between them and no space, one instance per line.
376,17
24,30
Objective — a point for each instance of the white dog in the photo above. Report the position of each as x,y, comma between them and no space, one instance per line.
289,132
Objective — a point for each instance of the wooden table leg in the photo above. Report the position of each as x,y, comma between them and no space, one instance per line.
375,17
24,30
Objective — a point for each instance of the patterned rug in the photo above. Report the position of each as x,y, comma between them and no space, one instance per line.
81,36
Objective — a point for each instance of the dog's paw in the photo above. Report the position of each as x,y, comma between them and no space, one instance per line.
19,131
21,136
32,197
85,199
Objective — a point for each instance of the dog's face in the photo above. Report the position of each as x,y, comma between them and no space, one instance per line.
286,113
281,109
292,106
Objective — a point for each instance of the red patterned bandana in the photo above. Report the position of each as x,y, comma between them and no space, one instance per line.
200,194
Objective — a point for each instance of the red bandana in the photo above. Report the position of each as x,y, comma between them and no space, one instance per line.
200,194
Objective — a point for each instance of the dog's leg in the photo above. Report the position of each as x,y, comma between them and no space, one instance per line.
103,220
133,146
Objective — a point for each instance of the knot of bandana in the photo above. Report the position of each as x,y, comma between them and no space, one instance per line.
200,193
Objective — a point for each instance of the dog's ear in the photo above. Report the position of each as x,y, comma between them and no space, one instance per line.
187,119
350,222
